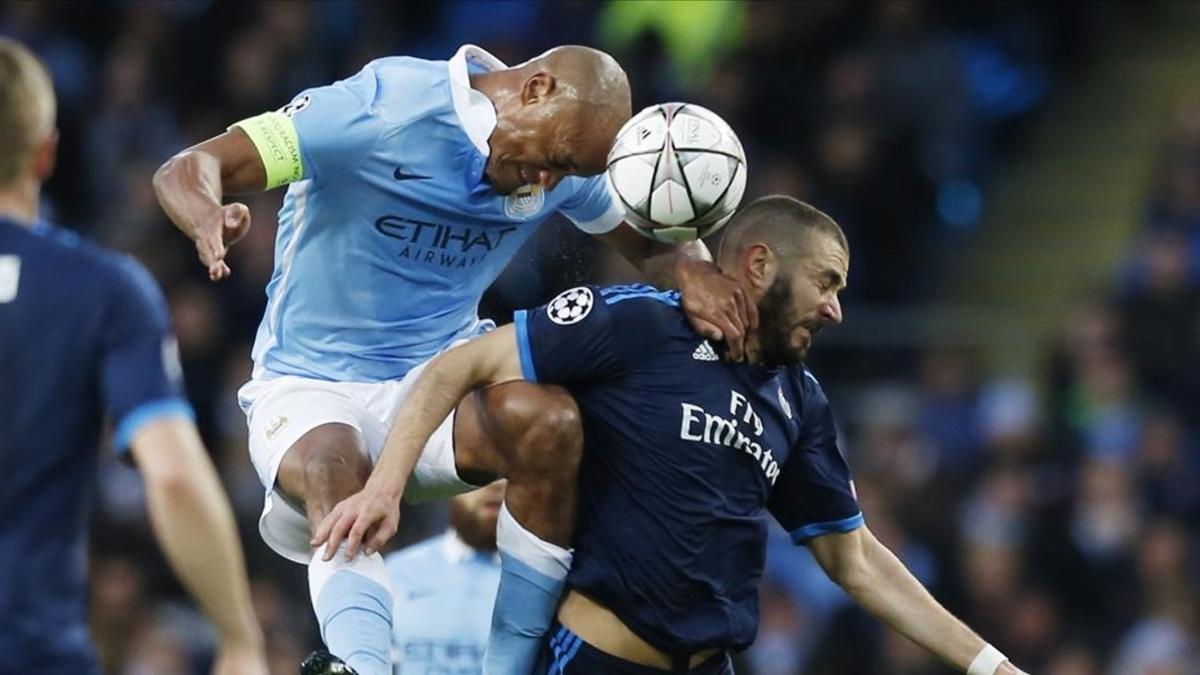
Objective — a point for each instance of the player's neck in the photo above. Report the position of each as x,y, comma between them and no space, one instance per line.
19,202
498,86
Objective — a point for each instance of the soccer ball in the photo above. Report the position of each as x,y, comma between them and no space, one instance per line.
678,170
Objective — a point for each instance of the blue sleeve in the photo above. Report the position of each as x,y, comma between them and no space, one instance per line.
591,206
337,125
140,376
815,492
582,336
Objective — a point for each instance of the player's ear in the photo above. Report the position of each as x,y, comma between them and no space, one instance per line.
760,265
537,88
44,157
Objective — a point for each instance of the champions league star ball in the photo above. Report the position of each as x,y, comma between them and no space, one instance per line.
679,171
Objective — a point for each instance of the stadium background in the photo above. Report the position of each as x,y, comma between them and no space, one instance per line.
1018,375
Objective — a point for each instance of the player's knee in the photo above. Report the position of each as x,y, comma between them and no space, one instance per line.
332,469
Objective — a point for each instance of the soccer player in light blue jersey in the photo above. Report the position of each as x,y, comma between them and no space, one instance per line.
412,184
445,587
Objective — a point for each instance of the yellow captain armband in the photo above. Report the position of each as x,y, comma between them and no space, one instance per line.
274,135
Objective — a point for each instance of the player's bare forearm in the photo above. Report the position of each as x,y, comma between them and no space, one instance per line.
194,525
883,586
716,305
191,185
188,187
673,266
489,359
662,264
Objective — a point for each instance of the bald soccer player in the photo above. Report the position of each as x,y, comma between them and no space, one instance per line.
412,184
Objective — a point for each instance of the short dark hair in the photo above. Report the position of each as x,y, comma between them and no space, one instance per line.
780,222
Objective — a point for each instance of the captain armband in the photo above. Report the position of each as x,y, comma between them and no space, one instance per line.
274,135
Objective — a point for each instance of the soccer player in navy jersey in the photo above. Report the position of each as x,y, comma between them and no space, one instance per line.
685,456
84,332
411,184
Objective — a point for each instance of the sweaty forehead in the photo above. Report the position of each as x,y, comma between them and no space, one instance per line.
826,253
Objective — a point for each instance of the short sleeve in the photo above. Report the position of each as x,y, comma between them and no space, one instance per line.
320,133
585,334
815,492
140,376
592,207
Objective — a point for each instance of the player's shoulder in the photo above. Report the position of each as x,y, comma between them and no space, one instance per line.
398,68
402,88
389,89
68,263
577,303
653,310
804,379
75,256
812,394
640,296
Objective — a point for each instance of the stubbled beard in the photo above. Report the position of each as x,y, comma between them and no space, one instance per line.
775,322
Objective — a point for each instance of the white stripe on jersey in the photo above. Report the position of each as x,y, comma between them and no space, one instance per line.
301,201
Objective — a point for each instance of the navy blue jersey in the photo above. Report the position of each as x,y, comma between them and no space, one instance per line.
685,455
83,332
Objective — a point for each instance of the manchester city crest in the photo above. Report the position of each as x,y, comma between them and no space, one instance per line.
527,201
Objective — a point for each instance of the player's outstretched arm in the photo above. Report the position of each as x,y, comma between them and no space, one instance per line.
883,586
191,185
715,304
194,526
371,517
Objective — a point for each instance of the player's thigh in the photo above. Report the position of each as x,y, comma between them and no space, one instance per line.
515,425
307,433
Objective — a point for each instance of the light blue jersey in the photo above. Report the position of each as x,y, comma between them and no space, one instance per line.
389,233
444,591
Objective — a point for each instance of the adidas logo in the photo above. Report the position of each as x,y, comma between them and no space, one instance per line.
705,352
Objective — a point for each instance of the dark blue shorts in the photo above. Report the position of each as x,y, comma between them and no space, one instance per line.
565,654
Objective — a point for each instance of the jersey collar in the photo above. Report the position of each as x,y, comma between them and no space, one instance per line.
474,109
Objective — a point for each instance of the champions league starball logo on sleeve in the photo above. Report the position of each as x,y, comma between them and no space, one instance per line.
296,105
571,306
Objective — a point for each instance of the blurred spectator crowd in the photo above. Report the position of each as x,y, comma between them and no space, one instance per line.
1059,518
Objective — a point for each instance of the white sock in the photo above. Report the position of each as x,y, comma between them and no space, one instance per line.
353,604
532,575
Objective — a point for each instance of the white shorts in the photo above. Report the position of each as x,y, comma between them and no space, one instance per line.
281,410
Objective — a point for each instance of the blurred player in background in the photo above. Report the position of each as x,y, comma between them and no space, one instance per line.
412,185
685,455
445,588
83,332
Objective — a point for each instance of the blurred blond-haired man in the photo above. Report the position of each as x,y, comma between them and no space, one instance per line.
84,333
